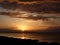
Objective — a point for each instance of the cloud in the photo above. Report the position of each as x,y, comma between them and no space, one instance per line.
45,7
14,9
7,22
39,7
53,29
26,0
38,0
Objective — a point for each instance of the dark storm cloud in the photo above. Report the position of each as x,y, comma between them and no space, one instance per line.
45,7
8,5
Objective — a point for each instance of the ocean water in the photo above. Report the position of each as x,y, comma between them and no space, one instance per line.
34,36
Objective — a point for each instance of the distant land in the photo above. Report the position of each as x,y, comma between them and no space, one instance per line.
50,29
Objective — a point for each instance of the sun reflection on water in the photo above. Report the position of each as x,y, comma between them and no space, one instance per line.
23,36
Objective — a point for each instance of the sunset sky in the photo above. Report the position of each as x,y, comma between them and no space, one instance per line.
15,22
27,0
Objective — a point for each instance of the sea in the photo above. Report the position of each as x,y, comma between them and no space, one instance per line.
35,36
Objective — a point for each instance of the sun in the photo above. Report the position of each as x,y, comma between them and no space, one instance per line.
22,28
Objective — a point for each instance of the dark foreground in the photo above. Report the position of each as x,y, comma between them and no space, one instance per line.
16,41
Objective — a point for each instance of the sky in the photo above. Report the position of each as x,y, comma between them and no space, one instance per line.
29,18
28,0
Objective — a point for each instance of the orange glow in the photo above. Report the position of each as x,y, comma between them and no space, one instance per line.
30,28
22,28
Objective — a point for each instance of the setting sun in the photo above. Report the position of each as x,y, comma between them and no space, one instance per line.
22,28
